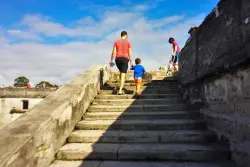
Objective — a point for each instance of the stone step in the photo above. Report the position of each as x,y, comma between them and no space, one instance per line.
143,89
137,108
143,96
158,91
93,163
128,102
146,78
154,124
146,136
151,87
171,152
163,77
153,83
140,115
164,84
151,72
170,81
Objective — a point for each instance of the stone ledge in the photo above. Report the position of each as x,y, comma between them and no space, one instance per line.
17,111
38,134
25,93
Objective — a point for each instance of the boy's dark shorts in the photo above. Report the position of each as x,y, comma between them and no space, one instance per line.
122,64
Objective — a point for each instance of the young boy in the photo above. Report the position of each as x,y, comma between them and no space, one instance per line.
138,72
175,54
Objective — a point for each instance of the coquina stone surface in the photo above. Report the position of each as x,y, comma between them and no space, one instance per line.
33,139
215,74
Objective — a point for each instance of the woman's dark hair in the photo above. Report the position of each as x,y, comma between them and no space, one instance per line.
171,40
123,33
137,61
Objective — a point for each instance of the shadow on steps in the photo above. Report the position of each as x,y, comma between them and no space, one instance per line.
157,129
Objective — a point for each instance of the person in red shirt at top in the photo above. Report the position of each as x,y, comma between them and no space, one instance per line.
122,53
175,54
28,85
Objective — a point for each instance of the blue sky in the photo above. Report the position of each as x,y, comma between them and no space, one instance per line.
67,36
65,11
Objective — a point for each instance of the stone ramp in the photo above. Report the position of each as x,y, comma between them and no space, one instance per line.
130,131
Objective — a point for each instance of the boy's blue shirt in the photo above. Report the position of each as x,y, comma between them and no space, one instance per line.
138,70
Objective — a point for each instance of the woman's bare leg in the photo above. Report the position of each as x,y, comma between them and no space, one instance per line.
122,80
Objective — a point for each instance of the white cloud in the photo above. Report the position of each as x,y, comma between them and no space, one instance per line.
88,27
22,34
41,24
109,22
86,21
3,38
167,20
59,63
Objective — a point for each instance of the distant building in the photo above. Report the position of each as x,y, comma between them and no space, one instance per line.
14,102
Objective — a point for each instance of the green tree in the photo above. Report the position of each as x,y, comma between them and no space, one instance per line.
21,81
55,86
44,84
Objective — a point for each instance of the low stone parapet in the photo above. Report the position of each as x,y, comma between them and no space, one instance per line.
25,93
33,139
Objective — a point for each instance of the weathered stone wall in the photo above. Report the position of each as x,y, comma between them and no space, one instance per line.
33,139
225,103
25,93
215,73
187,62
221,43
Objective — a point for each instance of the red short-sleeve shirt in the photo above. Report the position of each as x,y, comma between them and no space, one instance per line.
122,47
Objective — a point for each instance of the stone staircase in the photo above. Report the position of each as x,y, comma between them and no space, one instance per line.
158,129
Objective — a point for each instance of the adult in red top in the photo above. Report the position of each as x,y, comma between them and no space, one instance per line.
122,48
122,53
